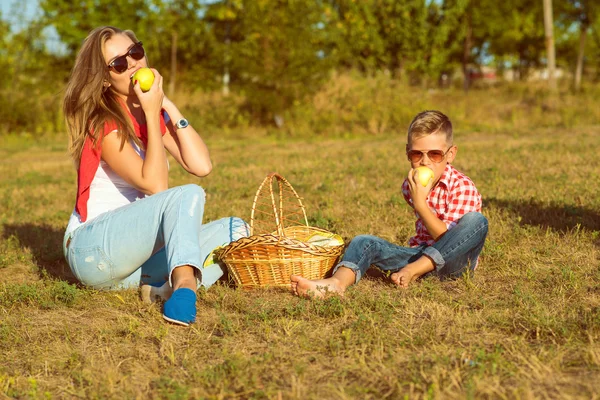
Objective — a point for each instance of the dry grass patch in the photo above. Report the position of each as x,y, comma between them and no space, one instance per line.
526,325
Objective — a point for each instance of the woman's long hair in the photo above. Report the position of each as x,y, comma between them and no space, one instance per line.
88,104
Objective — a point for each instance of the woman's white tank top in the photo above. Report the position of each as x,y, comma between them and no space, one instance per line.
107,192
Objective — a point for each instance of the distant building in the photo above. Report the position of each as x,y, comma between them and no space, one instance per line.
487,74
483,74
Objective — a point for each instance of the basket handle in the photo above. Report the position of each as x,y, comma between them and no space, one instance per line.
278,209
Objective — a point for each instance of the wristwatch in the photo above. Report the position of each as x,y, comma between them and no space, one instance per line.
182,123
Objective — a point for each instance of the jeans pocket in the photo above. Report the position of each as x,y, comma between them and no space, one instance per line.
91,266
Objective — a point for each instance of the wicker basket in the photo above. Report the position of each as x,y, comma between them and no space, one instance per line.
280,243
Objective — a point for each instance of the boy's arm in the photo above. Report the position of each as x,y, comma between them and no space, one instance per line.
416,192
435,226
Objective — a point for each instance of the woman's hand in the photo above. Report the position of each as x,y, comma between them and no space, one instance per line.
152,100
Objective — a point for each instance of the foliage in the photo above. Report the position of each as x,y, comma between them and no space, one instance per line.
272,67
272,56
379,105
30,92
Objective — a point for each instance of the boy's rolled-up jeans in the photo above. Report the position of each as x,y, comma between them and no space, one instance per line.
143,242
453,254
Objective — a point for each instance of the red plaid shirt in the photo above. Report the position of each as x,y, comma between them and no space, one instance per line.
452,197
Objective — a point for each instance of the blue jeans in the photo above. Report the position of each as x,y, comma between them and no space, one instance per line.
454,253
144,241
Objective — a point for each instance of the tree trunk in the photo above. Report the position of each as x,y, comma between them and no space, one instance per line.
549,32
394,65
400,72
467,55
579,68
173,77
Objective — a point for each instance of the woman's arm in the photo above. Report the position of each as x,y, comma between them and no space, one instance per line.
185,145
149,175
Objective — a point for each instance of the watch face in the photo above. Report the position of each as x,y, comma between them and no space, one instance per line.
182,123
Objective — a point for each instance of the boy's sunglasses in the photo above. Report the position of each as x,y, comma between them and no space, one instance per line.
120,64
435,156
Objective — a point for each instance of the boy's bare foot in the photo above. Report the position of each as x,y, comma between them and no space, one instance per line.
404,277
413,271
316,289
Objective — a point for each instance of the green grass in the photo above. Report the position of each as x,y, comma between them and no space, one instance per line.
526,325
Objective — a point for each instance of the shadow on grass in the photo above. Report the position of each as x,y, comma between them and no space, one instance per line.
560,217
45,243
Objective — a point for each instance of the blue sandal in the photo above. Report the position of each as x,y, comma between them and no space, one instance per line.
181,307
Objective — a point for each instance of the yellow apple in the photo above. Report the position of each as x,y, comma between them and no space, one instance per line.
145,77
424,175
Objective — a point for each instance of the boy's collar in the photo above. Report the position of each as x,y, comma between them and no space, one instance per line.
446,175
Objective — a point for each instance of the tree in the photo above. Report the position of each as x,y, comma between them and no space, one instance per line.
582,13
398,35
165,26
445,36
478,22
180,26
356,34
32,79
73,20
402,27
549,33
276,51
519,34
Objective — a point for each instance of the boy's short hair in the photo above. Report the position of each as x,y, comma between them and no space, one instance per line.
430,122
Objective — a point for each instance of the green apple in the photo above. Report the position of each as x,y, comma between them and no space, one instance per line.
424,175
145,77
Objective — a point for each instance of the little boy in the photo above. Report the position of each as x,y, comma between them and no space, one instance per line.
450,229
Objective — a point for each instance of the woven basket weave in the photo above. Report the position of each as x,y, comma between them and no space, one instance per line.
280,238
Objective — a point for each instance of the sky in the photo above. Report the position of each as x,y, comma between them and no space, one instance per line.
28,9
20,12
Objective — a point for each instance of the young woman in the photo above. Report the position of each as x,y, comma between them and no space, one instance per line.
128,229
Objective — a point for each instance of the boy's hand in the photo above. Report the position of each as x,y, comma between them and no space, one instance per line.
418,192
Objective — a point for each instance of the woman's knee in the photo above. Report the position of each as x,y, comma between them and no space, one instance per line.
192,190
191,197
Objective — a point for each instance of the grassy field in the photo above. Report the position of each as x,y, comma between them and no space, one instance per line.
526,325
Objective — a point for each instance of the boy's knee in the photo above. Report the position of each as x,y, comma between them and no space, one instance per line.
362,241
475,218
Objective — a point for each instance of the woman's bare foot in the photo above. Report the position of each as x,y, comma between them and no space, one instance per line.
316,289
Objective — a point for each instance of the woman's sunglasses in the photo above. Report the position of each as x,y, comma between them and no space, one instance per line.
435,156
120,64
